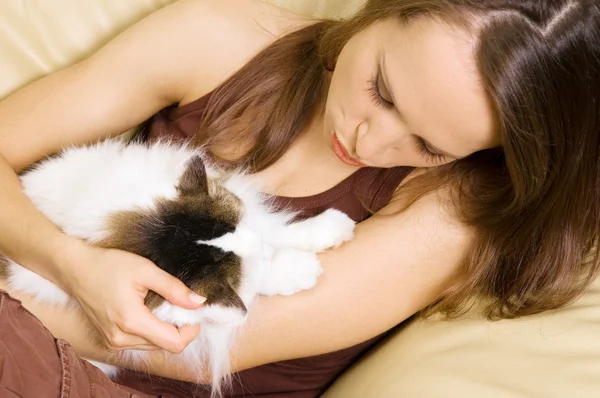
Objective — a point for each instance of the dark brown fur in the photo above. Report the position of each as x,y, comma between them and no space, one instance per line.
167,235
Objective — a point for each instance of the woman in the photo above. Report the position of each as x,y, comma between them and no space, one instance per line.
491,106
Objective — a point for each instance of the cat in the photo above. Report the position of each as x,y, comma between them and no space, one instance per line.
213,230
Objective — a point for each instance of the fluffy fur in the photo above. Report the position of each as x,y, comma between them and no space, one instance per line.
214,231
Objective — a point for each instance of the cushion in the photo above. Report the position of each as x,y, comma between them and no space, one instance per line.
39,37
551,355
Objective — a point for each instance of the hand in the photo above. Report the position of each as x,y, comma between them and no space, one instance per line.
110,285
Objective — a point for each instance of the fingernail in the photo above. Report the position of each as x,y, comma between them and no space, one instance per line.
197,299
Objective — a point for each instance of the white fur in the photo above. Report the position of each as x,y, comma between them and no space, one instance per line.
81,187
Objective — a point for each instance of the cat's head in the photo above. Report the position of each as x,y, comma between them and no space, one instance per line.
175,235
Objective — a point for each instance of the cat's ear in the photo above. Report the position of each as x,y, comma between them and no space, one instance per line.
227,297
219,292
194,180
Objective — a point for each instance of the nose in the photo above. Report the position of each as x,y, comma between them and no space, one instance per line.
372,141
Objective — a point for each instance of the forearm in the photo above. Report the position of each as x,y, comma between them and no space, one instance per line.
27,236
73,327
395,266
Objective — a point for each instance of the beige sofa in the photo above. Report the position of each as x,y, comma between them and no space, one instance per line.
556,354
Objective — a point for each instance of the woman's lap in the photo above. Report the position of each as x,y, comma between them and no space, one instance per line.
35,364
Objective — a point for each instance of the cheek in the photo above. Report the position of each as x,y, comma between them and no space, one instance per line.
403,154
337,109
348,103
349,88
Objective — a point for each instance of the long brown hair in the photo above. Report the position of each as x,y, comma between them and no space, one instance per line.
535,202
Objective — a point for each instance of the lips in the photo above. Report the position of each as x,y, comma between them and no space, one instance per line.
342,154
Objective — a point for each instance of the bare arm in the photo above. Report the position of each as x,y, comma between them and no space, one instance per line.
395,266
94,99
162,60
176,54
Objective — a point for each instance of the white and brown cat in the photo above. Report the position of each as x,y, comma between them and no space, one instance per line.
213,230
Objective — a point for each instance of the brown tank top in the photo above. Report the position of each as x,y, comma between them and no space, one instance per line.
368,188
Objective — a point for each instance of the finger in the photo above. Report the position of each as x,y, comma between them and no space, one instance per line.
138,347
144,347
121,340
173,290
161,334
189,333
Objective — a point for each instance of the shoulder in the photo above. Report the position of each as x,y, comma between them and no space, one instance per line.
414,198
217,37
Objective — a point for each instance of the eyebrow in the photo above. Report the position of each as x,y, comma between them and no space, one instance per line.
382,70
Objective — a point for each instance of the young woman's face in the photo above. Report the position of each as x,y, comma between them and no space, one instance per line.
408,95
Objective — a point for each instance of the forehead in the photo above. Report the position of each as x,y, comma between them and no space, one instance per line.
431,69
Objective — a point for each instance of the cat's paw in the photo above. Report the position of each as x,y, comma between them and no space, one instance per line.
291,271
329,229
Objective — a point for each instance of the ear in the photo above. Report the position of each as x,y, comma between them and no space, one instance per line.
230,298
227,297
194,180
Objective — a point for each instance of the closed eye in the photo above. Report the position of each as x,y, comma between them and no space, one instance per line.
378,92
381,96
427,153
